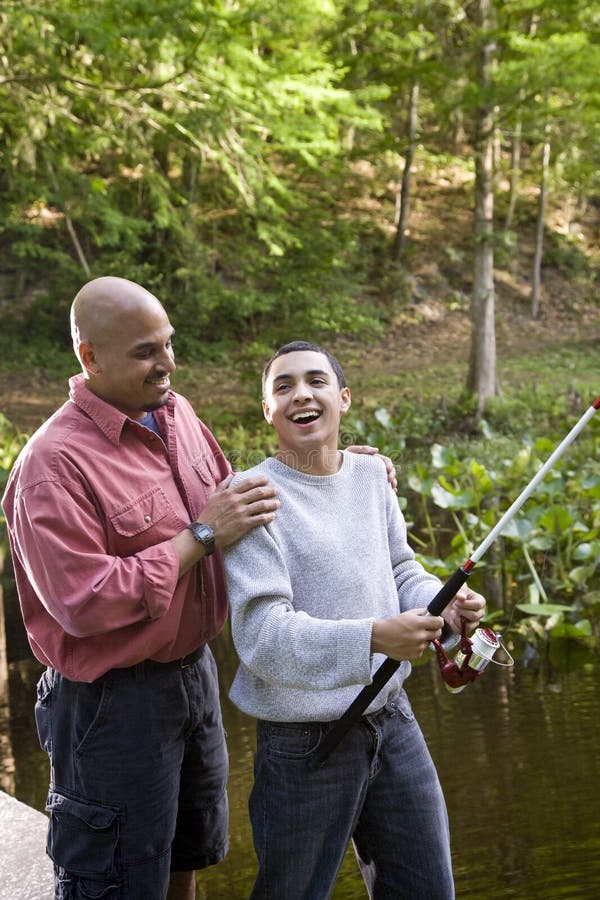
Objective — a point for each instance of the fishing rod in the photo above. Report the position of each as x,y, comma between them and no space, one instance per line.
473,660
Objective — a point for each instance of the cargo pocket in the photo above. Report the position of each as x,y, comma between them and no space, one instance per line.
43,709
83,839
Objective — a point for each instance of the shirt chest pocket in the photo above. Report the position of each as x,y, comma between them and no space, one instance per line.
205,467
142,513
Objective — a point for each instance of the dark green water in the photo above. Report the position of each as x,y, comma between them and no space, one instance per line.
518,755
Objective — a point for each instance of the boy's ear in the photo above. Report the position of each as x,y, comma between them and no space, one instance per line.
346,398
267,412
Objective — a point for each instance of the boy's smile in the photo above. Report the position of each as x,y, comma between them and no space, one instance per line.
304,402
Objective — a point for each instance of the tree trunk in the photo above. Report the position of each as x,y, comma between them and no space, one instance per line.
69,223
515,155
515,171
457,119
403,196
482,379
536,284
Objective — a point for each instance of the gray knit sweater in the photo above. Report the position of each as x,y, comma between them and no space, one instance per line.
305,590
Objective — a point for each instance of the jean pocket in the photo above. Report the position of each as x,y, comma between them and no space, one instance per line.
402,704
43,710
82,836
289,740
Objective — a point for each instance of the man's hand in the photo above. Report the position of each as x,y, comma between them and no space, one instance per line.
374,451
466,604
406,635
233,511
230,512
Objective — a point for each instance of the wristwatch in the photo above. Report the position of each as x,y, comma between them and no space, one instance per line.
204,535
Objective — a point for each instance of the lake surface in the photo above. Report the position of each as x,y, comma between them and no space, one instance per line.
518,755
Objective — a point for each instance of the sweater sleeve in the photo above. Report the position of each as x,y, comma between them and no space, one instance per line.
282,645
415,586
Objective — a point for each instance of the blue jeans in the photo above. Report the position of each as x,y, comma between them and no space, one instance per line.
378,788
138,778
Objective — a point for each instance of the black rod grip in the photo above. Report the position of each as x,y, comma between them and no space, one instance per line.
447,592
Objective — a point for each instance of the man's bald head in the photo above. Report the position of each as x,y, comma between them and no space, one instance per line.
101,303
124,341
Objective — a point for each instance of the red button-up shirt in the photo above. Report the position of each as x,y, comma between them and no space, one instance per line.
91,504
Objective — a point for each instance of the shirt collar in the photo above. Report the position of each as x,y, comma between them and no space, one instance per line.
108,419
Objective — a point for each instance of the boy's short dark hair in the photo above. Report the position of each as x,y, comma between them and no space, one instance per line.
298,346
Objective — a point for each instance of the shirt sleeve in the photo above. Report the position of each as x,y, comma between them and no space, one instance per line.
416,587
216,456
278,643
64,555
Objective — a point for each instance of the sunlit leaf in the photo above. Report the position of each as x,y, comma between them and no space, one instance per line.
518,529
580,574
439,456
419,484
541,542
542,609
445,499
584,551
522,459
383,417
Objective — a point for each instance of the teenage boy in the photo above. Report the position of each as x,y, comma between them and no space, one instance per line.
319,596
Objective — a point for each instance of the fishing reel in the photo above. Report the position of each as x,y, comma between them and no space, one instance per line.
472,658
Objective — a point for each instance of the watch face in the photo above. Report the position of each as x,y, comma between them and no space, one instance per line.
204,535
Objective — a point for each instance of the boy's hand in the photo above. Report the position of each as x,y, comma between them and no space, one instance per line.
231,512
374,451
407,635
467,605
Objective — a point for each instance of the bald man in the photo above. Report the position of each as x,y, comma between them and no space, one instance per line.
117,510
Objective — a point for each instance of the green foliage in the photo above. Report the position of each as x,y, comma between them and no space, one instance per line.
11,443
549,554
551,548
172,144
209,149
566,255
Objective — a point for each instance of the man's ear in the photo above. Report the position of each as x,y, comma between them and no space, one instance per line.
87,358
346,398
267,412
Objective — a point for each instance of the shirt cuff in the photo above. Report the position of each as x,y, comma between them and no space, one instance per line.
160,566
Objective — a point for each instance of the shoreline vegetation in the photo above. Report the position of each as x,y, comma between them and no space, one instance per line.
456,474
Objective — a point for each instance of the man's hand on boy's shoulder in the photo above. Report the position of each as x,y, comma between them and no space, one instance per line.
374,451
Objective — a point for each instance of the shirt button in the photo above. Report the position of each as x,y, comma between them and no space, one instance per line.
147,518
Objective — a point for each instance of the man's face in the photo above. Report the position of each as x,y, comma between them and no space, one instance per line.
304,402
131,369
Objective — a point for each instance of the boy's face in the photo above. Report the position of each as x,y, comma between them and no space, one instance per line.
304,402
